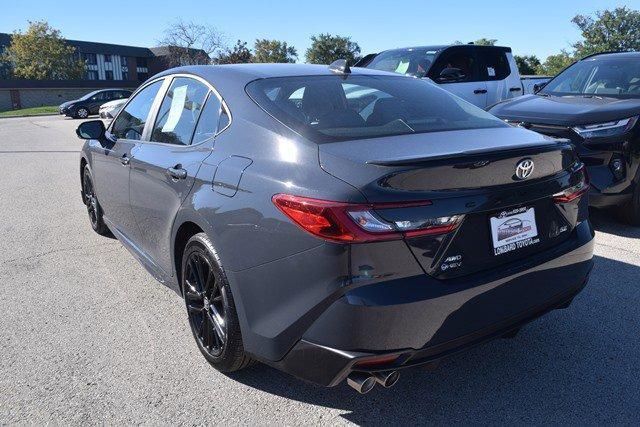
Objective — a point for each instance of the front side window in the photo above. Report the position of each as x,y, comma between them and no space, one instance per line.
413,61
130,122
455,66
179,111
100,96
337,108
617,78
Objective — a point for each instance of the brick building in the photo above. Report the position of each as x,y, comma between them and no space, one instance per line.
107,65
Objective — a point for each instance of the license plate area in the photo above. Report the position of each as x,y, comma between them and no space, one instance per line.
513,230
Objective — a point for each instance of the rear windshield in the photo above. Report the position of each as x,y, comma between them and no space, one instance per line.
339,108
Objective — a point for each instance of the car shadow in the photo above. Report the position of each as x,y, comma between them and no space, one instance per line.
606,221
575,365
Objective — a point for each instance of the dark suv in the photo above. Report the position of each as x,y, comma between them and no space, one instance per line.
595,103
90,103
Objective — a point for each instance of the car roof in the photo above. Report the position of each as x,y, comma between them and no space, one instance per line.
612,55
447,46
251,72
230,80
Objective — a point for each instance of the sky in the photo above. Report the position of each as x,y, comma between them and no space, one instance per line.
539,27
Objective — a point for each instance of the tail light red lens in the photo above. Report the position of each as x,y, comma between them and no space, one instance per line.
357,223
569,194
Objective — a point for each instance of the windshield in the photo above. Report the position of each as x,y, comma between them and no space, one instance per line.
338,108
89,95
617,78
413,62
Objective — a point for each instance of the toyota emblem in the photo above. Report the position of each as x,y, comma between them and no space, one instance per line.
524,169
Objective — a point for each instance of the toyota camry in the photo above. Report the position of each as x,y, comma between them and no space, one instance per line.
337,224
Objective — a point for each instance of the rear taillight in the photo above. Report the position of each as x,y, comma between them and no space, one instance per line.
569,194
358,223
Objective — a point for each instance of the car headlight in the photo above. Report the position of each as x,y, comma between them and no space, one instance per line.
607,129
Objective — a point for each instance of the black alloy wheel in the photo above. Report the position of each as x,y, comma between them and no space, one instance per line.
210,306
93,206
206,304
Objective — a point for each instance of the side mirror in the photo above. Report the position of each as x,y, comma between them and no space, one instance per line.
539,86
93,129
450,74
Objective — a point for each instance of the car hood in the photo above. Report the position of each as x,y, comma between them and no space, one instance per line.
115,103
68,103
566,110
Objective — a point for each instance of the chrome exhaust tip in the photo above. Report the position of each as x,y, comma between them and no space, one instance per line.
386,379
362,383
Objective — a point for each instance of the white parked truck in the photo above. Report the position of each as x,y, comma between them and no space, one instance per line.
482,75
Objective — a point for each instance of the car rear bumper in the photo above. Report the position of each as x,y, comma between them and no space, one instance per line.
422,320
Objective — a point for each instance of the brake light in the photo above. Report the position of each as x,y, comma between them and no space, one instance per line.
569,194
358,223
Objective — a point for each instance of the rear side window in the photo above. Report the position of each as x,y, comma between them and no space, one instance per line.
495,65
130,122
179,111
208,123
338,108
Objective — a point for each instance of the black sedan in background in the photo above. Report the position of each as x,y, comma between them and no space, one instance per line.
595,103
90,103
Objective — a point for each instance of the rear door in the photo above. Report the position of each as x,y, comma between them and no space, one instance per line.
164,166
111,165
496,70
470,85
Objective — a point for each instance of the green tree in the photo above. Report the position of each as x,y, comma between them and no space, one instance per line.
485,42
42,54
326,48
480,42
556,63
239,54
273,51
610,30
527,64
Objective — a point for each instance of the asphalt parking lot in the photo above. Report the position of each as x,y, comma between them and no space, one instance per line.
87,336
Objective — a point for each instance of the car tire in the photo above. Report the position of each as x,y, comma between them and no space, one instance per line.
91,202
82,113
210,306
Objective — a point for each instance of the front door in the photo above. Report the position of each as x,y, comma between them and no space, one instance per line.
112,164
468,84
163,169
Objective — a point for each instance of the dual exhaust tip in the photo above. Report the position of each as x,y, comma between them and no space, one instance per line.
364,382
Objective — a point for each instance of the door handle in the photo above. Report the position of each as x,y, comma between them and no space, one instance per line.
515,89
125,160
177,172
479,91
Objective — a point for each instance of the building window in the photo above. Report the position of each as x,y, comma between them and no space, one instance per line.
89,58
108,75
91,75
143,76
141,62
124,66
107,57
